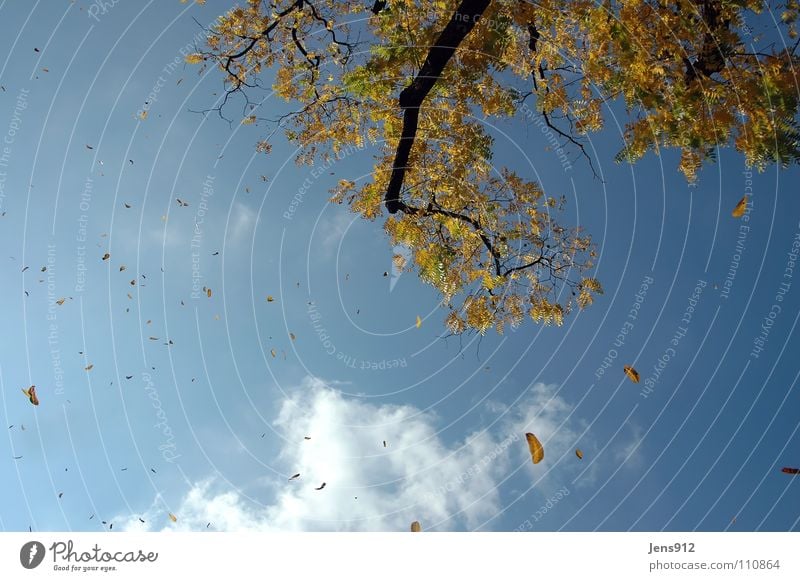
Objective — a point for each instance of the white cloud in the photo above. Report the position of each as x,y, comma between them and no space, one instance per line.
332,228
241,223
418,476
629,452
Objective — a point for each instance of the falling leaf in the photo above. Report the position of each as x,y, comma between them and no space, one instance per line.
44,268
249,120
208,293
272,351
632,374
133,282
126,205
292,336
123,267
60,301
788,470
173,518
579,454
30,393
143,115
740,208
294,477
89,146
535,447
384,443
106,256
321,486
89,367
25,268
419,322
270,298
416,527
141,520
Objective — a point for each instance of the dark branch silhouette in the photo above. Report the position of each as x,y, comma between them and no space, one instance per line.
411,98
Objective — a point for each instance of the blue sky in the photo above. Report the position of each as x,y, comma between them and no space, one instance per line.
211,426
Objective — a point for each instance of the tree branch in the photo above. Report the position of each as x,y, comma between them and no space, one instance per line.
411,98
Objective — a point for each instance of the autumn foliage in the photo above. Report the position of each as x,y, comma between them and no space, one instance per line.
692,74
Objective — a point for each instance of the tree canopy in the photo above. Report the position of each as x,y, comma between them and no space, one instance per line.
416,78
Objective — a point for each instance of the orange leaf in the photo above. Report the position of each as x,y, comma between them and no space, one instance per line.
740,208
535,447
632,374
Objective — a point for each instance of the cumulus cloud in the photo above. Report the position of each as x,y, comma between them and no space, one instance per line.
369,487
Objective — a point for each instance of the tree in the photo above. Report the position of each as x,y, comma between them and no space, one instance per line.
418,75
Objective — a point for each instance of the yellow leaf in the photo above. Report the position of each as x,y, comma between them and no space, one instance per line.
194,58
249,120
419,322
143,115
416,527
740,208
269,298
632,374
535,447
173,518
579,454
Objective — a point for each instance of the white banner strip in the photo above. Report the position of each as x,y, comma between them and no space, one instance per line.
396,556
